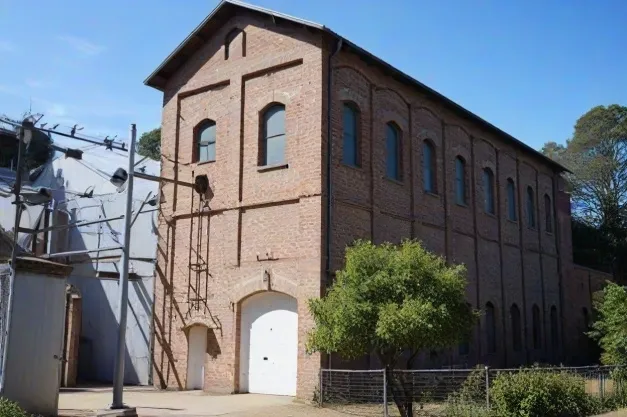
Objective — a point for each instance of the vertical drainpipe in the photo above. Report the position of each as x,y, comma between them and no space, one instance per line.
337,49
327,268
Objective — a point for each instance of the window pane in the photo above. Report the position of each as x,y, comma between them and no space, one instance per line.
531,208
391,144
428,176
548,214
460,181
511,200
208,133
275,150
274,121
350,149
203,153
211,152
488,185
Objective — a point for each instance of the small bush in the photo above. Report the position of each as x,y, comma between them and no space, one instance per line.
537,393
11,409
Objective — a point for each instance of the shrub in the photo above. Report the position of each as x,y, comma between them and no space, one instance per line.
538,393
11,409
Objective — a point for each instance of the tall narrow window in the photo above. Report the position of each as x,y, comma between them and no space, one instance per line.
429,167
350,119
586,319
511,200
537,327
516,328
488,189
460,180
548,214
273,136
531,208
554,328
490,322
393,152
206,141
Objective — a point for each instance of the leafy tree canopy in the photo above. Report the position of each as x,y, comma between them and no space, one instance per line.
389,299
150,144
610,328
597,157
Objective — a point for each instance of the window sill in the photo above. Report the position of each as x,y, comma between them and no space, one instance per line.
395,181
274,167
549,233
205,162
512,221
532,228
464,205
432,194
350,166
487,213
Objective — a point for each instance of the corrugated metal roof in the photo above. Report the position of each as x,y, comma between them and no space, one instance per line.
226,8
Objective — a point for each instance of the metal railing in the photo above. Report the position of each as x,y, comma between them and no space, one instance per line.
4,312
430,392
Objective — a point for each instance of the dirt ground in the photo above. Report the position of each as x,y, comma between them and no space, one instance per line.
154,403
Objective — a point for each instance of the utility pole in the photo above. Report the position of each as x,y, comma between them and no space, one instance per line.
24,135
117,407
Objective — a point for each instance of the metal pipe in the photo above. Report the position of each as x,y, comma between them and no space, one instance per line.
155,178
79,252
18,214
338,47
141,207
118,372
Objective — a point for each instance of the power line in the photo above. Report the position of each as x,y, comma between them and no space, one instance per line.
108,143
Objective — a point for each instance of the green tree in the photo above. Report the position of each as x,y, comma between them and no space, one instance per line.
597,157
393,301
150,144
610,326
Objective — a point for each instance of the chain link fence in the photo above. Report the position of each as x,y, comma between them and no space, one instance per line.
5,275
431,392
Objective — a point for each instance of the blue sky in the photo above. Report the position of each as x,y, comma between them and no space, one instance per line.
529,67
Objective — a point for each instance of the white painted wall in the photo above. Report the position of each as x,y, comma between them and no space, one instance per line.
35,343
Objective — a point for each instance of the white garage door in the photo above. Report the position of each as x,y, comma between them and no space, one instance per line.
269,344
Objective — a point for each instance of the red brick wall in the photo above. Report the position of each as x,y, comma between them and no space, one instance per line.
280,214
515,264
251,213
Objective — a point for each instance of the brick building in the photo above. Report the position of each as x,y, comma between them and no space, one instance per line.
251,98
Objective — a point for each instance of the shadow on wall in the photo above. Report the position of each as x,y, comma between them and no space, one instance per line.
99,327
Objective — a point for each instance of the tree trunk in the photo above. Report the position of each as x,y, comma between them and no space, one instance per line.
402,398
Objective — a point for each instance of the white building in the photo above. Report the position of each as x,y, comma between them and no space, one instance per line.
82,192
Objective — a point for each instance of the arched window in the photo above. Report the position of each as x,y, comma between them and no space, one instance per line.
537,327
205,149
548,214
350,129
554,328
460,180
490,323
393,168
516,328
531,208
488,189
273,135
429,167
511,200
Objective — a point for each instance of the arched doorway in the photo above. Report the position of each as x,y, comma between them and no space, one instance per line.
196,352
269,344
